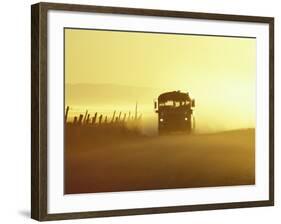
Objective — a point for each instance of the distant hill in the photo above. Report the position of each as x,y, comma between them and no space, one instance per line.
100,94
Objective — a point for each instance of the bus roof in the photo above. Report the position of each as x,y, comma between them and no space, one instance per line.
174,95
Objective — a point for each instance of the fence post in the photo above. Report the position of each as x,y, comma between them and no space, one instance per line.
100,119
75,120
119,117
124,118
136,111
113,116
66,114
129,116
94,118
85,117
80,119
88,119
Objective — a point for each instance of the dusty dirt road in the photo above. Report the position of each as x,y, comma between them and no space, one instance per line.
176,161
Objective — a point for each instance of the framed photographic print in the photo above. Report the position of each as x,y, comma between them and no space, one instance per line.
141,111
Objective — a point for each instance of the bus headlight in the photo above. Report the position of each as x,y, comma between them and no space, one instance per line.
185,119
161,119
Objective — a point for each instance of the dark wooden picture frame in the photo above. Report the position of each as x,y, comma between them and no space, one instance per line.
39,105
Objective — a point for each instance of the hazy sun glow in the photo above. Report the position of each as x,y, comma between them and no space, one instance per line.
219,72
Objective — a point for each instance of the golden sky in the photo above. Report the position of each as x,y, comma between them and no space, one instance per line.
219,72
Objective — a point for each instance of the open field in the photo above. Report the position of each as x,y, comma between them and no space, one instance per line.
108,164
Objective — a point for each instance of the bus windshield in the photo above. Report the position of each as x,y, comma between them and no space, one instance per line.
172,103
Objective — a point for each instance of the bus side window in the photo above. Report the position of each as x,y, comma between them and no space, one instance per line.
177,103
169,103
193,103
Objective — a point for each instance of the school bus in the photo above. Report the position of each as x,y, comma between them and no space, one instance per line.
174,112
